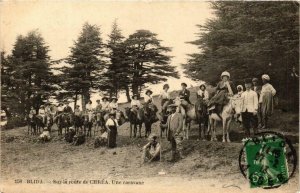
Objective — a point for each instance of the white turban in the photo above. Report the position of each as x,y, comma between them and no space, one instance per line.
240,86
225,73
265,76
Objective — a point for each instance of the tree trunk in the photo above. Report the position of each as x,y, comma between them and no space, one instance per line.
110,93
127,94
75,101
83,102
135,89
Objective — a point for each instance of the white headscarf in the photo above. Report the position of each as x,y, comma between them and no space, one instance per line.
265,76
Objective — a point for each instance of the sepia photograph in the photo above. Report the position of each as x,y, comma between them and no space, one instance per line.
149,96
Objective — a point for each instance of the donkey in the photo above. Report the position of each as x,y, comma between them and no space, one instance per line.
226,116
89,120
31,122
150,117
135,120
64,122
191,113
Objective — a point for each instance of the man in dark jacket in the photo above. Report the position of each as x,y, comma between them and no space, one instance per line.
185,93
69,111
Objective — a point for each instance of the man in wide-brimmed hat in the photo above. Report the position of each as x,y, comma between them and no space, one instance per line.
151,151
174,129
185,92
249,108
112,128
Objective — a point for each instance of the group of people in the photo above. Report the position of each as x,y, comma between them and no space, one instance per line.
256,108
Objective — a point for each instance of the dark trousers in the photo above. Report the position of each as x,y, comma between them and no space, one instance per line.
112,137
173,144
249,120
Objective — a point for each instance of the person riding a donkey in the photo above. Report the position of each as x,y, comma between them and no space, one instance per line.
135,104
68,110
113,105
201,103
165,98
98,110
224,89
32,112
42,114
60,109
149,101
105,104
185,93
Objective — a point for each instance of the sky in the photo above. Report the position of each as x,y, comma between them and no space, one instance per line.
60,23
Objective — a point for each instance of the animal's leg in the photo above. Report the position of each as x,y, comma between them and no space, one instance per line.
91,127
224,128
214,130
134,129
161,132
209,126
130,130
228,130
184,129
199,130
211,129
140,130
188,126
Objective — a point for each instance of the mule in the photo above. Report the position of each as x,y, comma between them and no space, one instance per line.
89,120
191,112
163,121
64,122
226,116
100,121
49,123
31,125
135,120
150,117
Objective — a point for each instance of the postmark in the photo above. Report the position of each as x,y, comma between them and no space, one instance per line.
267,160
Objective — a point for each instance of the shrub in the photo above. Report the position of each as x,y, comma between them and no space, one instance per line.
13,122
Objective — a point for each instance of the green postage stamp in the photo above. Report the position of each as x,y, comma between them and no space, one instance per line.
266,161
